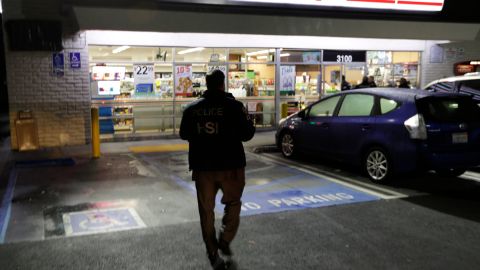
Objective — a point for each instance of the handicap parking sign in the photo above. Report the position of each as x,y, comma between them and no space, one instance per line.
58,64
75,61
101,221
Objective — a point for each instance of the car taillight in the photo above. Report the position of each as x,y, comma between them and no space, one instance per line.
416,127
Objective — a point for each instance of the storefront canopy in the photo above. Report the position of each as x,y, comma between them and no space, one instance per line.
155,20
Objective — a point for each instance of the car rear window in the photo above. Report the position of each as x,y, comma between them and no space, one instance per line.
387,105
449,109
470,85
443,87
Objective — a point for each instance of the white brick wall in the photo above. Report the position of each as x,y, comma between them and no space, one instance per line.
434,71
61,105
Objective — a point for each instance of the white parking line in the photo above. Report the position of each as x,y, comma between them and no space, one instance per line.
259,169
345,181
473,176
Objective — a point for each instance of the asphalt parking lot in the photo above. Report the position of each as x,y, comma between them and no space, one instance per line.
137,210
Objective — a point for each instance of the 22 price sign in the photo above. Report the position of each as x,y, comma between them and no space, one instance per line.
143,70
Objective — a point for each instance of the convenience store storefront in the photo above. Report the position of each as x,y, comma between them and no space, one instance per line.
61,101
143,90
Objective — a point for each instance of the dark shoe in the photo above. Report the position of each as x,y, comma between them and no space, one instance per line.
231,265
227,253
216,262
224,247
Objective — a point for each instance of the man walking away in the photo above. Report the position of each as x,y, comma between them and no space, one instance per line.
215,126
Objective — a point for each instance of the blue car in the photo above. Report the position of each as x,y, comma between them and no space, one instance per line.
387,131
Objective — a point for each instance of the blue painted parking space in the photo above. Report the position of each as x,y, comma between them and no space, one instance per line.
270,188
101,221
301,192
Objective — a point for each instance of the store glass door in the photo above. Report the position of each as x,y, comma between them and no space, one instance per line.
333,75
332,78
343,66
354,73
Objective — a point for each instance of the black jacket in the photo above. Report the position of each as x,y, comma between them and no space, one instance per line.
215,126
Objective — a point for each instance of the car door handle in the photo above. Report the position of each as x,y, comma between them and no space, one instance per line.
366,127
319,124
324,125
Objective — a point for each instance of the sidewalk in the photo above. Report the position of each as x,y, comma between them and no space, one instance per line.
260,139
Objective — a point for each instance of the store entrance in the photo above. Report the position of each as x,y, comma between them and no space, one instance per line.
333,75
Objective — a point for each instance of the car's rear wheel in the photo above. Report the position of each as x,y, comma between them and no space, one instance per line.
451,172
288,145
377,165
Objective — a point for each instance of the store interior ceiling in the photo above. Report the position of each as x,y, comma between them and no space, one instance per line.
127,54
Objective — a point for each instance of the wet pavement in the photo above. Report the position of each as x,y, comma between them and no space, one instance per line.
137,210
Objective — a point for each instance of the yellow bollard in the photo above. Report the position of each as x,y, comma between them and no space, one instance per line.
284,110
95,133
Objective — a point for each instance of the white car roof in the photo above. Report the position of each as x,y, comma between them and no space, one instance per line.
466,77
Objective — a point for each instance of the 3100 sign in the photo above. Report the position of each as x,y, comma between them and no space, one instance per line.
344,58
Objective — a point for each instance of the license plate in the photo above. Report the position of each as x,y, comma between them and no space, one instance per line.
461,137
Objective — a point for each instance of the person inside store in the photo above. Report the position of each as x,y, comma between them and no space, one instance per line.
215,126
403,83
364,83
371,81
345,85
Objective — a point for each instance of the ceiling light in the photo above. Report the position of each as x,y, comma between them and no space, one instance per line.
261,57
284,54
260,52
120,49
191,50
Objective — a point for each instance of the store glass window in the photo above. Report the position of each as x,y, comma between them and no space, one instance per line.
381,68
140,72
388,67
300,56
200,54
251,55
133,89
299,77
259,87
164,80
129,54
406,65
251,79
379,57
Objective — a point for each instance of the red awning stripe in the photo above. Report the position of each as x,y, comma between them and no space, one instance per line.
375,1
419,3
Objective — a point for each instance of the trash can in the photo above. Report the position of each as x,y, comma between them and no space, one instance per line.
26,128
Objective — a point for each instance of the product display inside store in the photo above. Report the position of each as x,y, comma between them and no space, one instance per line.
144,90
388,67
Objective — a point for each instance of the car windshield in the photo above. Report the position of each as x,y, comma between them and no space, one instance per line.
449,109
